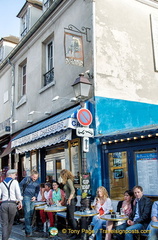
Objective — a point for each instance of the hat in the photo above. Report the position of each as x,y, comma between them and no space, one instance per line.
11,171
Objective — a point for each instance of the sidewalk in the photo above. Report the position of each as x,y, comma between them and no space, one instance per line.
19,234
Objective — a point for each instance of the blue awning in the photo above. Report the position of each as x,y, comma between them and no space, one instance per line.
48,127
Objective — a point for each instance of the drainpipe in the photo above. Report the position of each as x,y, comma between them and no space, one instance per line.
12,94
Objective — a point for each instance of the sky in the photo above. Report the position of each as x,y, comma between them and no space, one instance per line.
9,23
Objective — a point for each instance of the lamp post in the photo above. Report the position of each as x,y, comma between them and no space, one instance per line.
82,88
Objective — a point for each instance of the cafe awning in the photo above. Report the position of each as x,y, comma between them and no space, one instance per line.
49,127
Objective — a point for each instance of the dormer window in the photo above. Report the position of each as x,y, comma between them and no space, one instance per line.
24,25
29,15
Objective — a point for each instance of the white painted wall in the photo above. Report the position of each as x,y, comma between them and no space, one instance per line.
124,51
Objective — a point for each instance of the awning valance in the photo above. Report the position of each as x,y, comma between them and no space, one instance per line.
48,141
48,127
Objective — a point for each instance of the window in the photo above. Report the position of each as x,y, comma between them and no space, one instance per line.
24,80
49,75
25,24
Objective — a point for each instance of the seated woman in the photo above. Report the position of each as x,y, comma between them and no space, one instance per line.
44,215
125,206
102,204
57,195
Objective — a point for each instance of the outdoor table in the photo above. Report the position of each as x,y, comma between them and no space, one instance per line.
114,218
41,207
39,203
54,208
84,223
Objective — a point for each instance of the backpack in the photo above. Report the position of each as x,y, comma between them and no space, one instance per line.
28,180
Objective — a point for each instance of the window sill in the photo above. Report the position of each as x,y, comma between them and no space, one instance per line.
22,101
47,86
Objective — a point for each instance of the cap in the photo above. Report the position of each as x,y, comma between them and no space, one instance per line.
11,171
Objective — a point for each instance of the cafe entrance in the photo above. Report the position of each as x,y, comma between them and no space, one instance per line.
118,174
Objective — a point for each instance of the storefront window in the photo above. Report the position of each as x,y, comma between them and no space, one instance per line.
25,165
34,160
75,161
118,174
147,171
55,162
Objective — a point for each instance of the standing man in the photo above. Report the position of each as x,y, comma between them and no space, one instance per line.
11,196
30,188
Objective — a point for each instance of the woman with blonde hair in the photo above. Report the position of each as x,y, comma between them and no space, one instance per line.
67,180
102,204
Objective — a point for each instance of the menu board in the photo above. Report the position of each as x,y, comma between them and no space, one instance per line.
147,172
85,184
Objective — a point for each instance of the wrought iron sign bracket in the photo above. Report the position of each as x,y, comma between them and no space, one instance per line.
84,30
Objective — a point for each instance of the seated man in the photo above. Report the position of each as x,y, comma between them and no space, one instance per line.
153,235
140,216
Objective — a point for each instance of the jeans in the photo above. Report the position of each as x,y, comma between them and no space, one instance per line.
153,235
8,212
98,223
130,236
70,214
28,207
130,230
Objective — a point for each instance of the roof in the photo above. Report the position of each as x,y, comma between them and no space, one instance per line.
37,4
12,39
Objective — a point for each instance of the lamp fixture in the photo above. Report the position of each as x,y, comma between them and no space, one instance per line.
81,87
32,112
47,113
74,99
29,121
15,121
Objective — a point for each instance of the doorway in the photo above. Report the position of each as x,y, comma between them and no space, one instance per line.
118,174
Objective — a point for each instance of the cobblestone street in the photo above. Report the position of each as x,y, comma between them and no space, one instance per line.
18,233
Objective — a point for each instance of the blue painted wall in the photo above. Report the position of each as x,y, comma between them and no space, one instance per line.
114,114
110,115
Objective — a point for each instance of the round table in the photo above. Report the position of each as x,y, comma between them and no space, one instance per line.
84,221
116,218
55,208
42,207
39,203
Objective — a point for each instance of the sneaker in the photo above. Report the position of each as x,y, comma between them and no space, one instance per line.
92,237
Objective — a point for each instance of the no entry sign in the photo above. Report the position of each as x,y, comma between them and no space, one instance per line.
84,117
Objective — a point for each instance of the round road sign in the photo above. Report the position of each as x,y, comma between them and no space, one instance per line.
84,117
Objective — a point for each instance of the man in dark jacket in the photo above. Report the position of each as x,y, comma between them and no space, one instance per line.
30,188
140,217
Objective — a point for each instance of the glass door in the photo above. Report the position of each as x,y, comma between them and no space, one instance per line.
118,174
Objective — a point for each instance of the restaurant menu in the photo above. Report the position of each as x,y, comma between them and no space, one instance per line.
147,172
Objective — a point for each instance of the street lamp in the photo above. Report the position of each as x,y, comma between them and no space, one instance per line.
81,87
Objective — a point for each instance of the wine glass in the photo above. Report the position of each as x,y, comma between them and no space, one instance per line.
111,210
